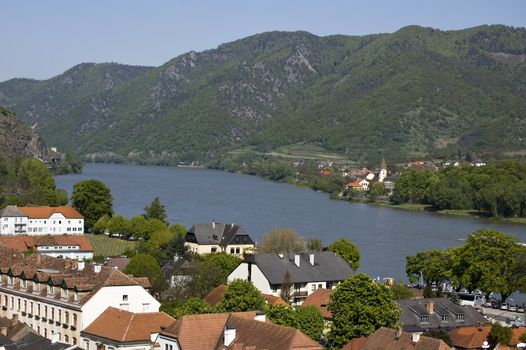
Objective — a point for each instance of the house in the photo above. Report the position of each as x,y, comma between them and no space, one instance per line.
326,173
472,337
320,299
392,339
390,181
478,163
308,272
179,271
75,247
16,335
422,315
382,174
217,237
359,185
41,220
124,330
216,295
234,331
59,298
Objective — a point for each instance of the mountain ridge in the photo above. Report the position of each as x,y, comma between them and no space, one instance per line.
415,92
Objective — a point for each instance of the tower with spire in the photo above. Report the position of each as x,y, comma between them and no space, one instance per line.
383,171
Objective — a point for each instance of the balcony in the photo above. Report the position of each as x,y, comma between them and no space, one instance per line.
73,328
300,294
57,323
64,325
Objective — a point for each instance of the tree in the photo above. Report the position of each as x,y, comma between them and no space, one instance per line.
282,240
38,184
488,261
314,245
310,321
241,295
139,227
500,334
376,190
93,200
225,262
102,224
286,287
401,291
359,307
433,265
347,251
145,265
155,210
118,225
191,306
282,315
440,334
522,337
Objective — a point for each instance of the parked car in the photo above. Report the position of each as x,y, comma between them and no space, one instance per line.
512,308
520,309
504,306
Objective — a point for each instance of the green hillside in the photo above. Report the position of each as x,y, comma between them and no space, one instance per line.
408,94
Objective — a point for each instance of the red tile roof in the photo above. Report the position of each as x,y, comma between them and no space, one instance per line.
119,263
44,212
124,326
320,299
24,243
473,337
387,339
205,332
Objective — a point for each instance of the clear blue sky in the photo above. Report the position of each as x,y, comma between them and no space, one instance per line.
40,39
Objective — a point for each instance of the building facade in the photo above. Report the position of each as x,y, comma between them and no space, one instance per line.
307,273
43,220
218,238
58,298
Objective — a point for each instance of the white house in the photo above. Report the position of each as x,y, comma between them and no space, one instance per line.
217,237
41,220
58,298
308,272
123,330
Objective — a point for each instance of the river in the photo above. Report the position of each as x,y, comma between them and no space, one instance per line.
384,235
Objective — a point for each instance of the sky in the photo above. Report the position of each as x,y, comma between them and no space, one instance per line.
40,39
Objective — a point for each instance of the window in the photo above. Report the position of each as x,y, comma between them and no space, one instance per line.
36,286
45,311
10,280
66,317
75,296
313,287
237,250
25,305
45,332
232,250
65,293
59,316
18,302
145,307
66,338
75,341
31,307
38,309
445,318
50,289
24,283
125,297
213,250
12,303
424,319
459,317
75,321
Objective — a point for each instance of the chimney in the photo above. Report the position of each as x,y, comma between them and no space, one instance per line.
81,264
213,224
311,258
3,331
97,268
297,260
229,335
415,337
430,307
37,258
260,316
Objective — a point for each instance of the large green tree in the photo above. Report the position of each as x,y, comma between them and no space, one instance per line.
359,307
488,261
37,185
435,266
241,295
348,251
310,321
145,265
93,200
282,315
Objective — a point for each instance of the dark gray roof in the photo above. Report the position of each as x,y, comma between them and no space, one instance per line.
413,310
218,233
32,341
327,267
11,211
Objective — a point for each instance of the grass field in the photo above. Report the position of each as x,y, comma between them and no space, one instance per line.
106,246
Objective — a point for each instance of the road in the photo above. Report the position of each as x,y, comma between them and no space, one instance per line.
502,315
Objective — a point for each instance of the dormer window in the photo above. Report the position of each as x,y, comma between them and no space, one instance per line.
445,318
24,283
10,280
36,286
65,293
459,317
50,289
424,319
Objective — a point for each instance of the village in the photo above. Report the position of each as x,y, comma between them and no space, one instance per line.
53,295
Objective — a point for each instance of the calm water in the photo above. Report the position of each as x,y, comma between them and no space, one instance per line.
385,236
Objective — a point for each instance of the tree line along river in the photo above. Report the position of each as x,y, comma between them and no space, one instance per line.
384,235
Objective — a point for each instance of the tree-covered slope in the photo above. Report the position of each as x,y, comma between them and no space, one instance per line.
408,94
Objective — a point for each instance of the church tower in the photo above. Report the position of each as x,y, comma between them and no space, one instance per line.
383,171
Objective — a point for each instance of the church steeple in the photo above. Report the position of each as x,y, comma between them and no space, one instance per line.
383,170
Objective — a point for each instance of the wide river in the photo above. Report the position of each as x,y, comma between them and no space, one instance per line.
385,236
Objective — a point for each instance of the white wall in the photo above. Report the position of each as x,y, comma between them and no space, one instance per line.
7,225
68,254
163,341
55,224
258,278
113,296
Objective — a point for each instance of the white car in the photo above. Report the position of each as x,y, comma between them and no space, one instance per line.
504,306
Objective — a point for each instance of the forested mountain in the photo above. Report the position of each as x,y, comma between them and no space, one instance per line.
408,94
